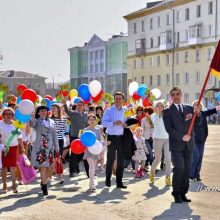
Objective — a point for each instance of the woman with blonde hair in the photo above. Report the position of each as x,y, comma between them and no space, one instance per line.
160,141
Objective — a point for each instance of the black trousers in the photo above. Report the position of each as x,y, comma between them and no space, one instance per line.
116,145
181,172
75,159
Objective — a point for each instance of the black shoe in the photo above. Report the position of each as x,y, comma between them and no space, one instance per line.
178,199
121,186
185,199
191,178
108,183
71,174
162,166
198,179
44,189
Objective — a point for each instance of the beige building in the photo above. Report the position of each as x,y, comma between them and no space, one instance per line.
12,78
171,43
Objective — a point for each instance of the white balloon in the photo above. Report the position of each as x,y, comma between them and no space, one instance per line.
96,148
156,92
133,87
26,107
95,88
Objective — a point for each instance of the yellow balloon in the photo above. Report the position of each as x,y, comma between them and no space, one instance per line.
73,93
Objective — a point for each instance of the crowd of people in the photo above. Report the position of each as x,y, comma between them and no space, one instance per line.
153,135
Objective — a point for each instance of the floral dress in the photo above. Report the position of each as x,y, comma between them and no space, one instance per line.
45,144
140,153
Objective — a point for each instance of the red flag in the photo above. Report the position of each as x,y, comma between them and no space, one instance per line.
215,64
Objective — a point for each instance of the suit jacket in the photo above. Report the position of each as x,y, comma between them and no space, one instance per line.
177,125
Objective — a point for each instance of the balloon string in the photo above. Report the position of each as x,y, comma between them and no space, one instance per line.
13,133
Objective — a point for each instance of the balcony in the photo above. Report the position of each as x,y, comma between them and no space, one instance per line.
195,35
166,40
140,51
140,46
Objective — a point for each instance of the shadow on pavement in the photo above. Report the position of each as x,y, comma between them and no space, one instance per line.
154,191
176,212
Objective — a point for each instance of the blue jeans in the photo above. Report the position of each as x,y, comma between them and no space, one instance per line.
196,163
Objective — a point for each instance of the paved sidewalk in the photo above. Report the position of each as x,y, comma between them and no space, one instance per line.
140,201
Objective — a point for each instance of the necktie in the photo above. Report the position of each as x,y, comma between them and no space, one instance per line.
180,109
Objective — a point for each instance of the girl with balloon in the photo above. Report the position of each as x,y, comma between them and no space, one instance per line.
45,145
90,154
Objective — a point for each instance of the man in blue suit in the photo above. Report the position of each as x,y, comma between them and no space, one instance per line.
177,119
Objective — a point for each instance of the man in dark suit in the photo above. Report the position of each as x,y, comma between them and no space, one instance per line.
177,120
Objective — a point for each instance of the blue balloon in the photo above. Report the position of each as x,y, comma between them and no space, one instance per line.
83,91
20,117
18,100
76,100
46,102
5,105
218,96
142,90
51,103
88,138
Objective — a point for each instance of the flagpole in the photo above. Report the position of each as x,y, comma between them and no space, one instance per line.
198,103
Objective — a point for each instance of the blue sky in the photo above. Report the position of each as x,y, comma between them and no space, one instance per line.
35,34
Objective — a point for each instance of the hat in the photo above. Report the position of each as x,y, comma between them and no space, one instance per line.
131,121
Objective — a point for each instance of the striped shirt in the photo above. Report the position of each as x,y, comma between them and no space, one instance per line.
61,127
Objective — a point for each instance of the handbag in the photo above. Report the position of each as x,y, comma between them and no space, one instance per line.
58,165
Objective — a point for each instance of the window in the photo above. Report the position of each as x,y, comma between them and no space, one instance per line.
168,19
158,60
96,68
186,58
186,35
177,78
142,26
195,31
197,95
168,59
101,54
177,58
101,67
177,17
168,79
135,28
186,78
210,8
187,14
158,80
151,61
210,30
151,42
209,53
197,55
165,37
151,80
140,44
198,11
142,79
134,64
96,55
151,23
158,22
158,41
142,63
210,79
186,97
177,37
198,77
91,56
91,68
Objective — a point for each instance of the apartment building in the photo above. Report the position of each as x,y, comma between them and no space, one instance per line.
101,60
171,43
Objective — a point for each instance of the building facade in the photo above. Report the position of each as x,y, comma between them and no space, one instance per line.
12,78
171,43
101,60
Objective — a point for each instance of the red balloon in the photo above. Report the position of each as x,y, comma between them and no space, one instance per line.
98,97
77,147
136,96
1,118
146,102
11,98
64,93
20,88
29,94
86,101
48,97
